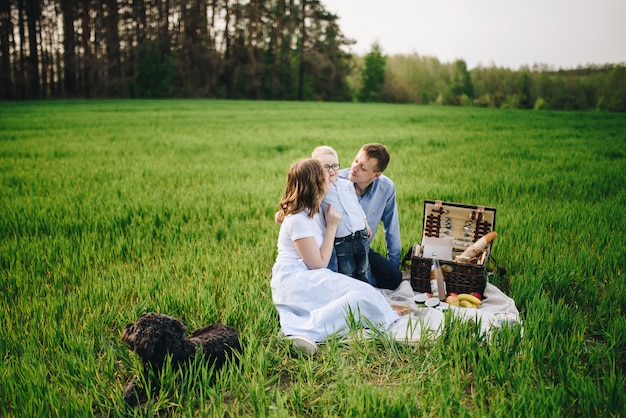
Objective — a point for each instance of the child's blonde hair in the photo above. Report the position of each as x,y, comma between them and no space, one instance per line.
324,150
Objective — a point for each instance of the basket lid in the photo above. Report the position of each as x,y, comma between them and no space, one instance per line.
463,222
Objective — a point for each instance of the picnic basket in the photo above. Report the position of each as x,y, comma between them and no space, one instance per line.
463,224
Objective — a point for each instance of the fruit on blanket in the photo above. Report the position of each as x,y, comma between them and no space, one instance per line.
467,304
478,295
452,300
453,294
469,298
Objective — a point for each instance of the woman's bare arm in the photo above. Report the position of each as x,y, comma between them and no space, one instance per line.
318,257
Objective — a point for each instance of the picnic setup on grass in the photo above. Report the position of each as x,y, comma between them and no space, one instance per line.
449,271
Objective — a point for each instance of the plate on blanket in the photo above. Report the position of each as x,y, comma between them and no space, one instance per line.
420,297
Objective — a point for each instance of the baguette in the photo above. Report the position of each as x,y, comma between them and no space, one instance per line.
476,248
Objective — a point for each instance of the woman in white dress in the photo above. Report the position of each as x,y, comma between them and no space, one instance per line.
314,302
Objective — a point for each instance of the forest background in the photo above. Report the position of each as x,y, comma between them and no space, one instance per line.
259,50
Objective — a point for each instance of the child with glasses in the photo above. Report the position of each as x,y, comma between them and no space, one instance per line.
352,239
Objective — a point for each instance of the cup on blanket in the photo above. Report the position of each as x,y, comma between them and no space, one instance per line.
500,319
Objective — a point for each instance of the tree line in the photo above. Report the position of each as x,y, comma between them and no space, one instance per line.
282,49
426,80
256,49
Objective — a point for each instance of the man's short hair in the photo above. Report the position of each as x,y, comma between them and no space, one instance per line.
380,153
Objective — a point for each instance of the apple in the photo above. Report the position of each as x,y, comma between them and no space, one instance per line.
453,294
452,300
478,295
428,295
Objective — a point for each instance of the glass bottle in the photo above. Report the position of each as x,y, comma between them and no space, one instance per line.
437,280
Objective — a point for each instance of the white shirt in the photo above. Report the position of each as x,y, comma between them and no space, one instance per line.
296,226
343,197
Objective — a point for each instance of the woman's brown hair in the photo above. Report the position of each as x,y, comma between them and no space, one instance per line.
304,188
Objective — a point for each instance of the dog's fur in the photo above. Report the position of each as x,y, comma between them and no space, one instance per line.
154,336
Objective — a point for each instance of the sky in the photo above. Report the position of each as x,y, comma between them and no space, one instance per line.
559,33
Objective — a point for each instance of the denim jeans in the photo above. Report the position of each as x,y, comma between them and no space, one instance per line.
384,274
353,256
332,264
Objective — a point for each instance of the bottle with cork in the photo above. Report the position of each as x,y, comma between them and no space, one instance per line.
437,280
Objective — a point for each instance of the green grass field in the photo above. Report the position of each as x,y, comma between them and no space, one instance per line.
113,208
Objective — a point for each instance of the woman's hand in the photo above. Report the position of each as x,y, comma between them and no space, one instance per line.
333,217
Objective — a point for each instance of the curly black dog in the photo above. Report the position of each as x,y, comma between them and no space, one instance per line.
154,336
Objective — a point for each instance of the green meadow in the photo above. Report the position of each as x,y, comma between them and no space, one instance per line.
109,209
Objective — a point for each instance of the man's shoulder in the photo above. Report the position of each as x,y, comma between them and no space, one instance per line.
384,182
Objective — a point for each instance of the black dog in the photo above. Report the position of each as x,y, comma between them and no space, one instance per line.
154,336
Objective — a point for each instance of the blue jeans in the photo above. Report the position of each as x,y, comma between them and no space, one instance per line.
332,264
384,274
353,256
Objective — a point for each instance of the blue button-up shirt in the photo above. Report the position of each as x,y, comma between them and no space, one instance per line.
379,204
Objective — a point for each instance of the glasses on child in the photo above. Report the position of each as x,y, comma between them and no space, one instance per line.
334,167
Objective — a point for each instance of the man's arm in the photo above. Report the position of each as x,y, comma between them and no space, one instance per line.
391,227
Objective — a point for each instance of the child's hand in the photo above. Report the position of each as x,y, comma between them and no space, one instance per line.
278,217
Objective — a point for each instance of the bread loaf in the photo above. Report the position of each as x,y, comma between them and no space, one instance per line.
476,248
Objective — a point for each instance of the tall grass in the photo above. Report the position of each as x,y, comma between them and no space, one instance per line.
113,208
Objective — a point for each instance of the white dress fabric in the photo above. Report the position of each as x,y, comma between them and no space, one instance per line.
318,303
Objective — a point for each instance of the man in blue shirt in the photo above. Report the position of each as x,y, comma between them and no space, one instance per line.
377,196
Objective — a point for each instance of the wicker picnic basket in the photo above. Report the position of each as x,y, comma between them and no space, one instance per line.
464,224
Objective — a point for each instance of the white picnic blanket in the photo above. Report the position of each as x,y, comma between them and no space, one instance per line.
429,322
